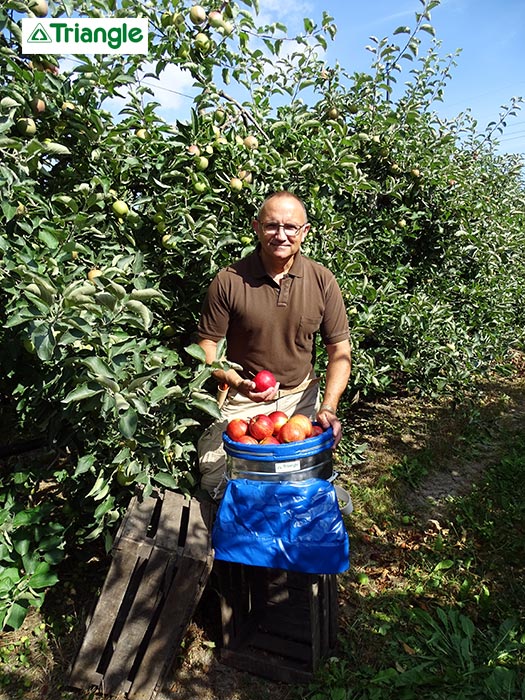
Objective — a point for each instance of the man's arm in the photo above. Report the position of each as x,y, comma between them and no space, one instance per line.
337,376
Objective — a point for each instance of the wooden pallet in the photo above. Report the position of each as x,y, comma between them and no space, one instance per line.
275,623
161,560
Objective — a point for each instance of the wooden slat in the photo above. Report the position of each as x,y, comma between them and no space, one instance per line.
285,672
282,646
112,595
167,534
198,537
136,520
315,623
179,605
137,621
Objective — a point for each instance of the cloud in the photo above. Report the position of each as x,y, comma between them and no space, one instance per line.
289,13
173,91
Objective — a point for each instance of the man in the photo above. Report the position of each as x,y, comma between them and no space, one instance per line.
269,307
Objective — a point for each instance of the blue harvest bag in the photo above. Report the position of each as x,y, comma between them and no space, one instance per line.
292,525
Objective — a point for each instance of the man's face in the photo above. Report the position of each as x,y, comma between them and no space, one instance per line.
281,228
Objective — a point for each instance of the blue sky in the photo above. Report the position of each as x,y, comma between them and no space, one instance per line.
490,34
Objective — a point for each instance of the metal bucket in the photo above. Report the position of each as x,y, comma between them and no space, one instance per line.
294,461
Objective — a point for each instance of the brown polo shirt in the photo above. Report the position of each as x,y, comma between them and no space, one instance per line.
273,326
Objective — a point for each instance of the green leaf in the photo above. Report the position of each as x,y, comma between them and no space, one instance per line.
197,352
128,423
84,464
17,615
402,30
44,580
207,405
166,480
443,565
80,393
48,237
429,29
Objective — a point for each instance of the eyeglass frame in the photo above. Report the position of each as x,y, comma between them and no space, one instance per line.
263,225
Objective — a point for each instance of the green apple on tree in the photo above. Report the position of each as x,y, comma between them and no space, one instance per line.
202,42
38,105
120,208
251,142
198,14
26,126
39,8
236,184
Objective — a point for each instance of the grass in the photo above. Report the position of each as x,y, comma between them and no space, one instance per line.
433,604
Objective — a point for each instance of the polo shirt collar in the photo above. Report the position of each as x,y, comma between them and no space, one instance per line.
258,271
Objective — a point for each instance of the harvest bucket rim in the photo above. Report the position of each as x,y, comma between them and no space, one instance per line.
282,452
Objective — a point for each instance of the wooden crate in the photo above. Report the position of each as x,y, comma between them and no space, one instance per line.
275,623
161,560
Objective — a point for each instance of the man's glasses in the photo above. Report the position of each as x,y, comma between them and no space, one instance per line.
271,228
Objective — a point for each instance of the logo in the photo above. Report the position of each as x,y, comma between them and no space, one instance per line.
39,35
85,36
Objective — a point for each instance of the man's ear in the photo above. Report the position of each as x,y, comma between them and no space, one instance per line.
255,225
305,232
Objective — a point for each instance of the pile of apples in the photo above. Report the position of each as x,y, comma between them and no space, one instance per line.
272,429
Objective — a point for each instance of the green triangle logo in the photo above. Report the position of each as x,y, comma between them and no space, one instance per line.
39,36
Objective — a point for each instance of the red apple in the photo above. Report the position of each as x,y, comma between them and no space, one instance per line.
260,427
264,380
316,430
278,419
304,422
270,441
236,428
247,440
292,432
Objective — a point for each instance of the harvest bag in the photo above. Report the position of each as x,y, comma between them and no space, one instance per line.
289,525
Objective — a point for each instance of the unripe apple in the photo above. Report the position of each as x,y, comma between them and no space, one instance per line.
219,116
236,184
246,176
194,150
215,19
26,126
141,134
333,113
201,163
251,142
168,241
95,272
199,187
198,14
39,8
38,105
202,42
120,208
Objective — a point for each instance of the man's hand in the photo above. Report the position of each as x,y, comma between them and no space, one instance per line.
247,388
327,419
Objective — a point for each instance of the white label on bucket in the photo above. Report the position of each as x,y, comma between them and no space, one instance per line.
292,466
